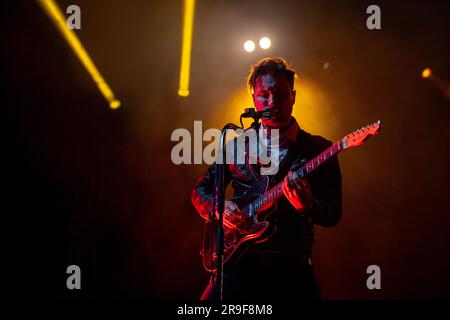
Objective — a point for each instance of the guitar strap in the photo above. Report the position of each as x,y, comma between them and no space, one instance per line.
288,162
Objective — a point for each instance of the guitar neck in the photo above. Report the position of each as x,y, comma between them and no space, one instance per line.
277,191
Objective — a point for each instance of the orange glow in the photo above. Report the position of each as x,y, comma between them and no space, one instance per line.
426,73
312,109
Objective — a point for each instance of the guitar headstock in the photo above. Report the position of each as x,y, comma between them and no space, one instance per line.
358,137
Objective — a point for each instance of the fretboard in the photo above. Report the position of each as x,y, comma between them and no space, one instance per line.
277,191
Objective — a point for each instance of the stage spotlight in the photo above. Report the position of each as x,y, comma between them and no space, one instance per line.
54,12
188,29
114,104
426,73
249,46
265,43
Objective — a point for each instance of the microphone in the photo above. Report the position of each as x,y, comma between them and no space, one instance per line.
266,113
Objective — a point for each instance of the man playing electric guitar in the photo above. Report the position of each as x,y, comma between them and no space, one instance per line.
280,267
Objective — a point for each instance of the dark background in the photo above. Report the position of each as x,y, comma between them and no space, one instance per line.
87,185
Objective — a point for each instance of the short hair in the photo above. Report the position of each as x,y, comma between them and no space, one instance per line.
274,66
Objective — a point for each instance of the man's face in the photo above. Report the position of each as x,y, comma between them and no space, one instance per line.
276,93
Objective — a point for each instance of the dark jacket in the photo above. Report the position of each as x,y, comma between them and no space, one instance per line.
295,231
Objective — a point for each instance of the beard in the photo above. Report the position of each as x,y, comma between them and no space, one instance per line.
277,122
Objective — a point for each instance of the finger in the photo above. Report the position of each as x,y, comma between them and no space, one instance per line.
293,188
233,206
295,180
287,183
291,178
228,205
228,221
229,216
306,187
235,211
295,177
235,217
294,193
287,191
284,187
228,208
228,224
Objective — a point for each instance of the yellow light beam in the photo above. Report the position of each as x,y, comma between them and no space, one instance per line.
188,27
55,13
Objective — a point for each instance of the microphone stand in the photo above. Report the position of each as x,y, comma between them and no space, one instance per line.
219,196
218,206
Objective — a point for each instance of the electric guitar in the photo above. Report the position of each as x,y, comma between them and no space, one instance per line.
258,198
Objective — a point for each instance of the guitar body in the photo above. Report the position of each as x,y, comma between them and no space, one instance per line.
255,229
258,198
